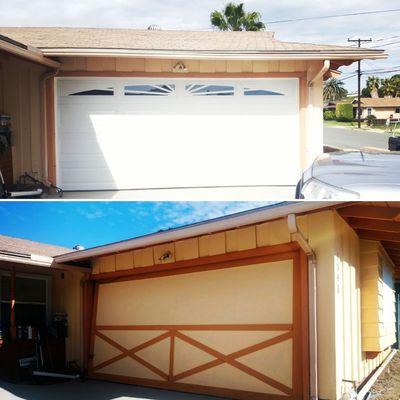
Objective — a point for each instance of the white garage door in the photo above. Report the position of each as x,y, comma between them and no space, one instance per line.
156,133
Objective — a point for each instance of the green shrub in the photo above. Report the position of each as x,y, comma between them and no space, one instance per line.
329,115
371,120
344,112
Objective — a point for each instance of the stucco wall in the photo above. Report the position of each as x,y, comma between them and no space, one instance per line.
20,97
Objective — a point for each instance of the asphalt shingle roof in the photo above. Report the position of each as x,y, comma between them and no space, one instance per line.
23,246
380,101
136,39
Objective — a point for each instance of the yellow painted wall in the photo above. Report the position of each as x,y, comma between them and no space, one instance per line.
20,97
378,298
339,304
67,297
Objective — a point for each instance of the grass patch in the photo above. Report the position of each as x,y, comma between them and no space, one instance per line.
387,386
365,127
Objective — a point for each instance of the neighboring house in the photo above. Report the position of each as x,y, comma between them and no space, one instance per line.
117,103
382,107
293,300
330,106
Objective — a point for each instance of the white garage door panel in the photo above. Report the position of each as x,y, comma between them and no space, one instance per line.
178,140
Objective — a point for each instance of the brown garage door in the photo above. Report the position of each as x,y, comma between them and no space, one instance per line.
237,332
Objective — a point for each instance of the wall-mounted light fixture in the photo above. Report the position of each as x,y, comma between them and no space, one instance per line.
180,67
166,256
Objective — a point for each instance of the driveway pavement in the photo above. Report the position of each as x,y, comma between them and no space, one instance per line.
255,193
89,390
345,138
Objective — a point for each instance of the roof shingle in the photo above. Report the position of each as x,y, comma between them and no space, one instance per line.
136,39
23,246
380,101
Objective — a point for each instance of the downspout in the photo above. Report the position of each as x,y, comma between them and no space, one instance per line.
298,237
320,73
43,79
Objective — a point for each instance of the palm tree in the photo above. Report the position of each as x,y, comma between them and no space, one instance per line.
334,90
387,87
373,83
234,18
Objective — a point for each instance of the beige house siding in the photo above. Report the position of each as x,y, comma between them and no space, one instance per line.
130,64
381,112
20,97
339,309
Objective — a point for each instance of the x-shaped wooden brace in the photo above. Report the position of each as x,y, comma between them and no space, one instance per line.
220,358
131,353
231,359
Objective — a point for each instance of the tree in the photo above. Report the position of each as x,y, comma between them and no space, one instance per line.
373,84
396,85
387,87
334,90
234,18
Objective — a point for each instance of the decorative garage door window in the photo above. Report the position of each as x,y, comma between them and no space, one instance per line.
95,88
260,92
149,90
95,92
209,90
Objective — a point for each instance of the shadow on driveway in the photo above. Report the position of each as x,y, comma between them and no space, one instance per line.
89,390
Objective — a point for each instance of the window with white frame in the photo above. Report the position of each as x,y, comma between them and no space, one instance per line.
369,111
31,300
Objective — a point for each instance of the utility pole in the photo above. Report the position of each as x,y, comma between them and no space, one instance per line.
359,41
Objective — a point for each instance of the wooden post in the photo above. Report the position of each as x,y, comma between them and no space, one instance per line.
13,330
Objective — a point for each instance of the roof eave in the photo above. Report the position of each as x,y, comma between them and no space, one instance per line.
40,261
221,55
29,53
198,229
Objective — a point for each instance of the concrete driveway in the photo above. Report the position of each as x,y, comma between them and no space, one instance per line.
345,138
249,193
89,390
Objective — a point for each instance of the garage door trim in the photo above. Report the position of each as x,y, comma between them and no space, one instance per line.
298,331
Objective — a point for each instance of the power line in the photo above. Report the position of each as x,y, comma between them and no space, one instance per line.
385,44
333,16
388,38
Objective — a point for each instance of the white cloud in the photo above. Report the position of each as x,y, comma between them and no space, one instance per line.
183,213
179,14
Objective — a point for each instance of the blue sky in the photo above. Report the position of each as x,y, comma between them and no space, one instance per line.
92,223
194,14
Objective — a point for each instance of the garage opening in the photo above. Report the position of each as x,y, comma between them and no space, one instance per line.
234,332
115,133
